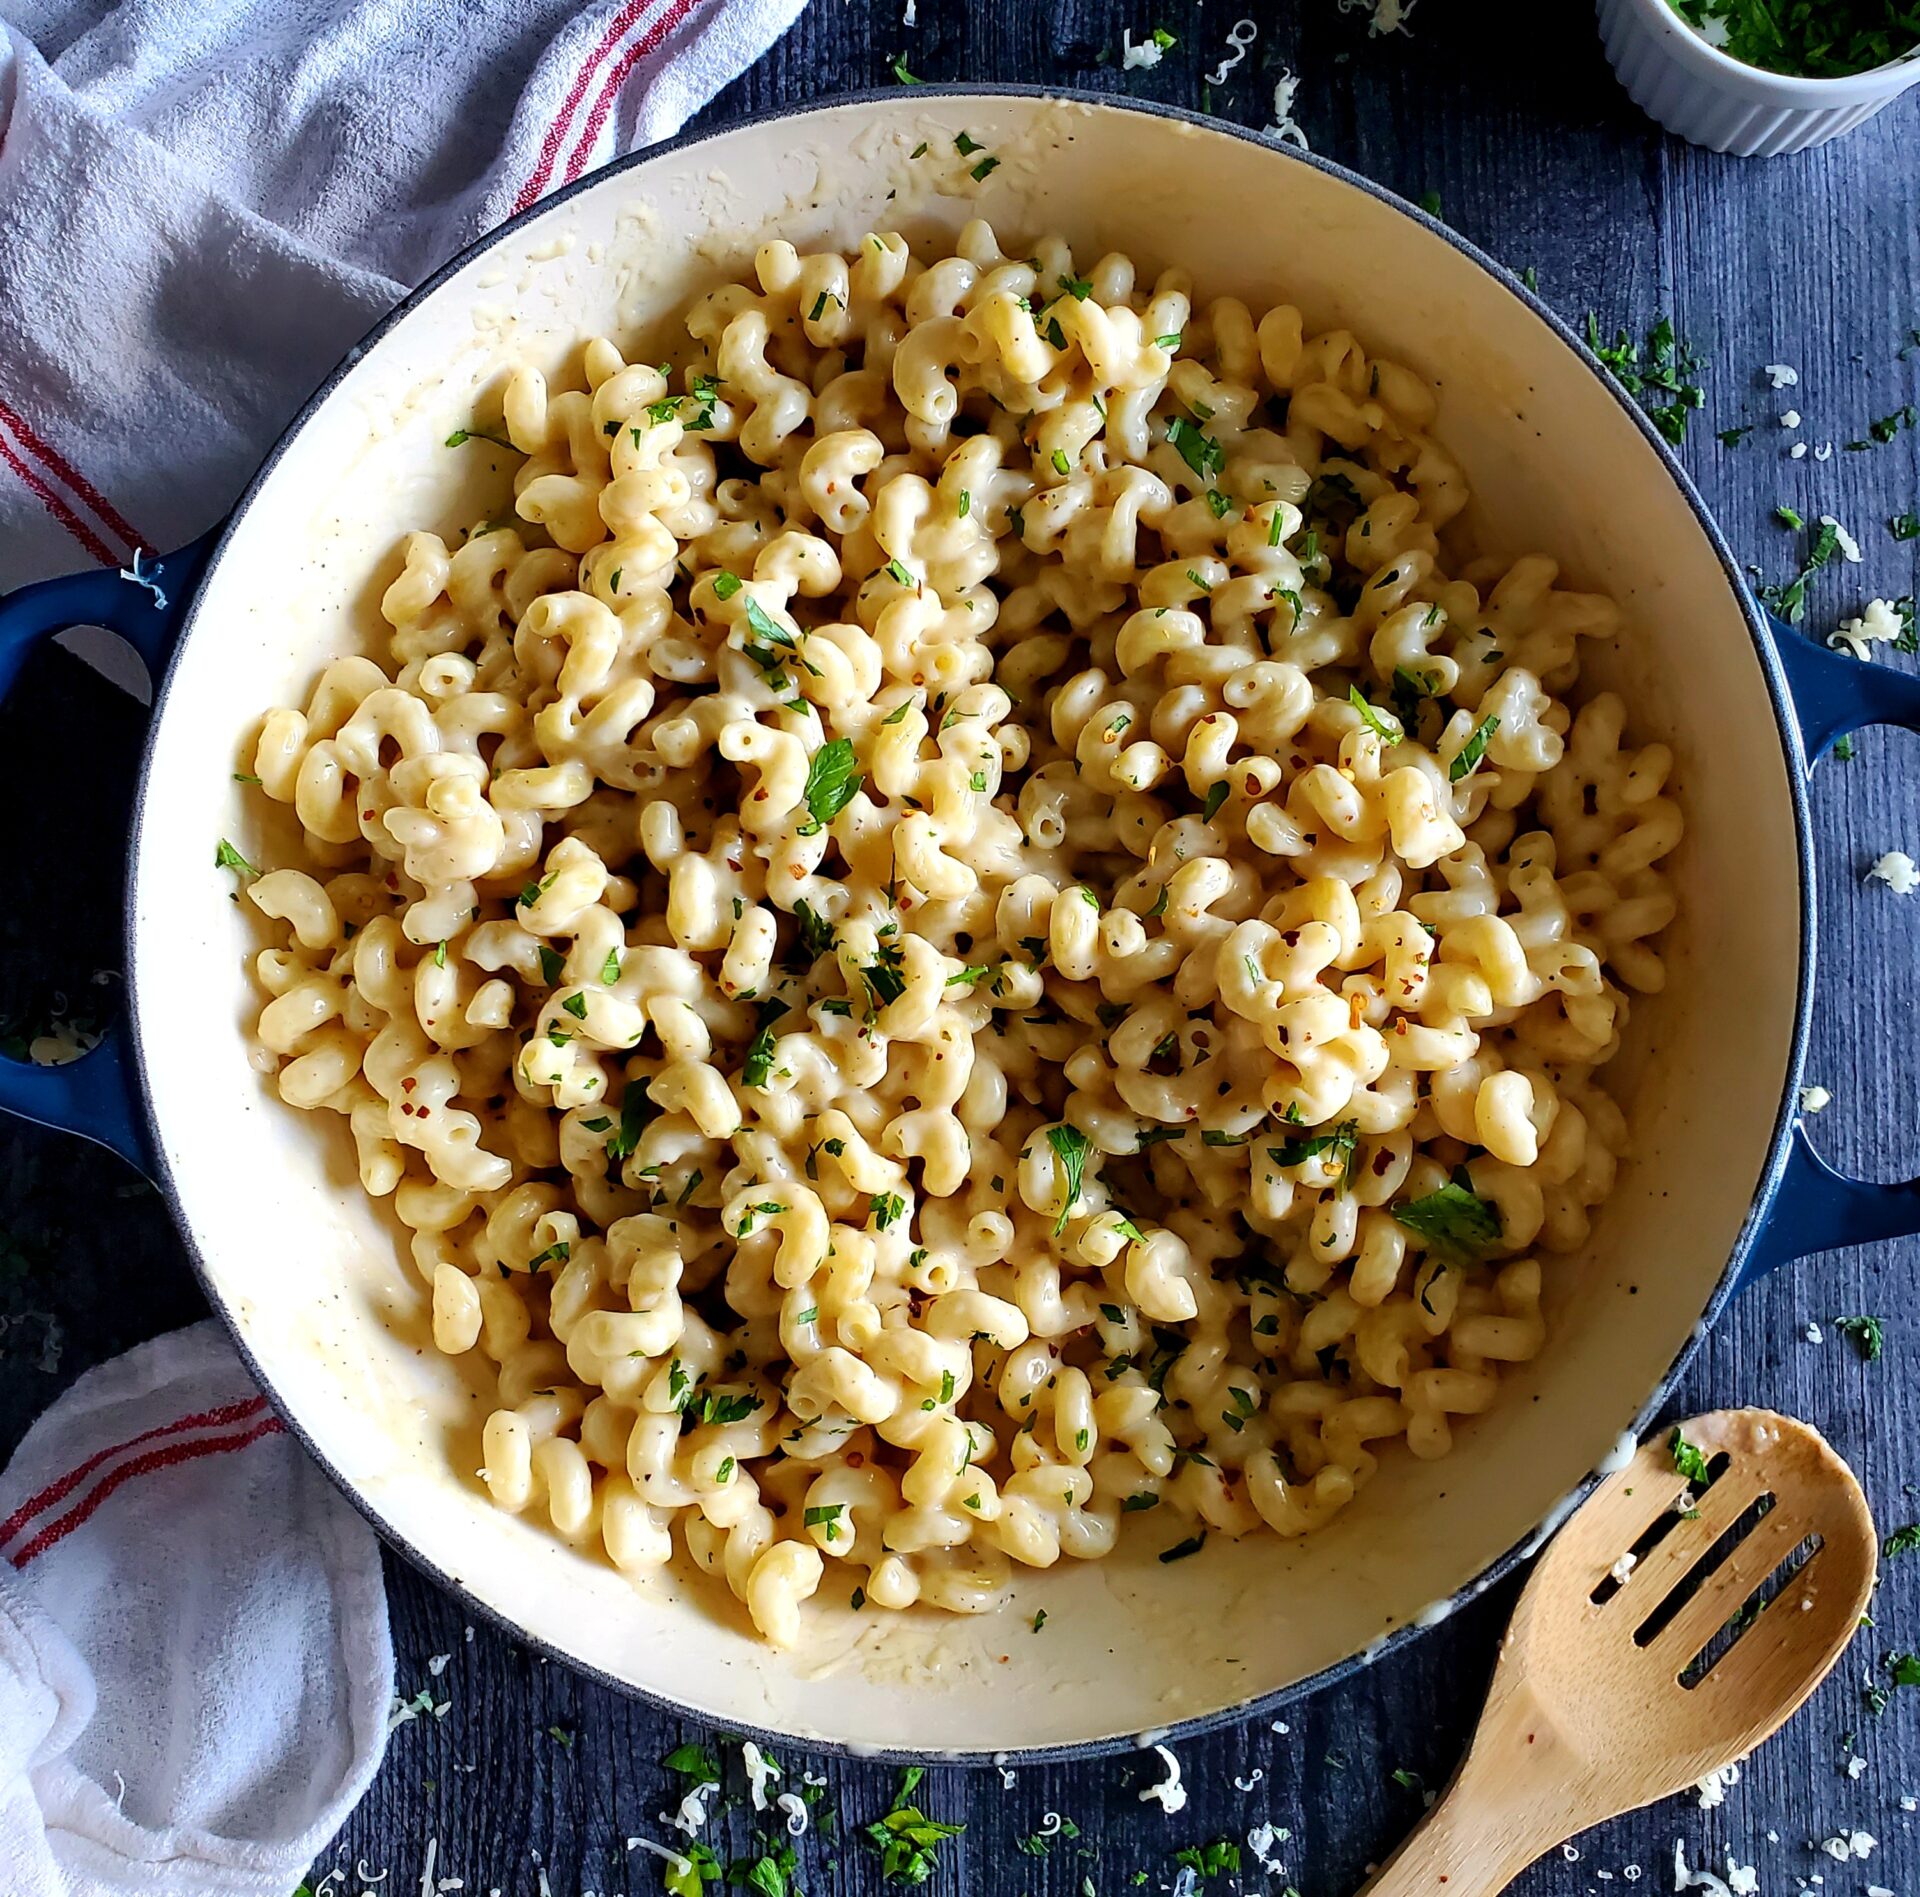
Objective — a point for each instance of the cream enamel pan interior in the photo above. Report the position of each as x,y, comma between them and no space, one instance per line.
315,1282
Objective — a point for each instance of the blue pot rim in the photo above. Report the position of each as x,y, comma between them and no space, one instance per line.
1391,1641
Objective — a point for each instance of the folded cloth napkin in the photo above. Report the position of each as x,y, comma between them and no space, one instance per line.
202,207
195,1673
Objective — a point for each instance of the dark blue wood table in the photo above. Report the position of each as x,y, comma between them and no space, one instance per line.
1506,115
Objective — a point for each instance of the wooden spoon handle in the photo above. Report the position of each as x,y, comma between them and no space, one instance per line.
1469,1846
1519,1792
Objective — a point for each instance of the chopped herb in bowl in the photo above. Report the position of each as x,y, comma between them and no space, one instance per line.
1807,39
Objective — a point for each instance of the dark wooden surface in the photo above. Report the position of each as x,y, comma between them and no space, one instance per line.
1508,113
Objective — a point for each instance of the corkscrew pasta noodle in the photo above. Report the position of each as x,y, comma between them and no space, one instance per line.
971,925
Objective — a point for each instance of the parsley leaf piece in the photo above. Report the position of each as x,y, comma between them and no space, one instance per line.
1790,600
833,779
1455,1221
636,1109
461,436
1070,1149
901,73
227,857
694,1762
906,1838
1216,796
1869,1338
1688,1459
1197,449
725,585
816,932
759,1062
1382,728
1474,749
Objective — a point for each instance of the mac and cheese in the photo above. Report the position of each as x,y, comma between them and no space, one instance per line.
967,928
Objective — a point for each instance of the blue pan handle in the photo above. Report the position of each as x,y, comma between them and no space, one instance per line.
95,1096
1814,1207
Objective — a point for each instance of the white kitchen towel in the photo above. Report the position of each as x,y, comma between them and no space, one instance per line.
204,203
195,1670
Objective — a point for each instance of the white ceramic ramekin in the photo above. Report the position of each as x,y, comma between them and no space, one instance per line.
1701,95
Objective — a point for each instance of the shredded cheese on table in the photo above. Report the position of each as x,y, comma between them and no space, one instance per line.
1898,871
1170,1795
1879,623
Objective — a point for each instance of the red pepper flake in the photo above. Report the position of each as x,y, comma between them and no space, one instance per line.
408,1085
1382,1163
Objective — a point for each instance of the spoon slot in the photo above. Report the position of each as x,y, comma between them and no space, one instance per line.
1770,1590
1717,1599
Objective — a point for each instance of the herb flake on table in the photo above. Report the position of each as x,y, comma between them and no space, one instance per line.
1662,372
905,1837
1790,600
1867,1333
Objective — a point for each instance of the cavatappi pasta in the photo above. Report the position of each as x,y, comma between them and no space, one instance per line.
970,930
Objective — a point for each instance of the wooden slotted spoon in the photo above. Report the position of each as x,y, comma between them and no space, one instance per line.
1595,1708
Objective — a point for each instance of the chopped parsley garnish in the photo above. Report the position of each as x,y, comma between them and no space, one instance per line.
1216,796
227,857
1884,430
1902,1541
552,964
1342,1144
1134,1503
725,1409
1804,38
901,73
964,506
1904,526
576,1005
1790,601
1220,1859
979,175
1070,1148
610,969
827,1518
1455,1221
833,779
440,955
1733,437
1474,749
884,980
816,932
759,1062
1197,449
636,1109
900,575
1660,373
1061,465
1868,1336
1786,516
885,1207
725,585
694,1762
1217,504
968,977
1688,1460
906,1837
461,436
1382,728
